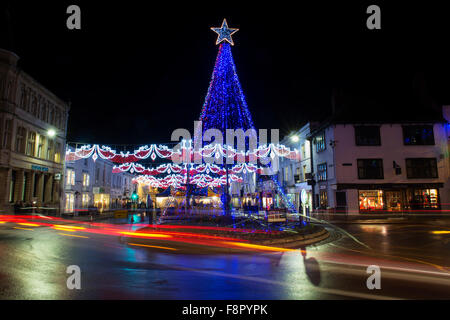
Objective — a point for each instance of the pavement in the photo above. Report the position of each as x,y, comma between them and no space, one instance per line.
412,258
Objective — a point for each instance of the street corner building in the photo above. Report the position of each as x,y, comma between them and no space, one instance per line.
33,123
358,166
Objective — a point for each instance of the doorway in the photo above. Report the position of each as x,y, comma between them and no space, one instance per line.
394,201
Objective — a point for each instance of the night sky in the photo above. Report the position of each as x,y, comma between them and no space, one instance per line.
136,72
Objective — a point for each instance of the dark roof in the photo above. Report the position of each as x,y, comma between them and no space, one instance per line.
354,109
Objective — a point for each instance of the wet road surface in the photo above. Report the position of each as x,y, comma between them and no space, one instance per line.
413,258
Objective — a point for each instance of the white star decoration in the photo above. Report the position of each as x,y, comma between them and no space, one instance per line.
224,33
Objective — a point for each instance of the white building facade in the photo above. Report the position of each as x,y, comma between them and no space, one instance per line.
92,183
380,167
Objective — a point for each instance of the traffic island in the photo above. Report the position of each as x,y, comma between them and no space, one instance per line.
287,238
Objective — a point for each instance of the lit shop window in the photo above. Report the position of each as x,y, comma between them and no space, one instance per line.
426,198
70,198
70,177
85,200
371,200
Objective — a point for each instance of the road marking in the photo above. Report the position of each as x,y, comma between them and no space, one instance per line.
440,232
72,235
146,245
64,229
393,256
321,290
442,274
23,228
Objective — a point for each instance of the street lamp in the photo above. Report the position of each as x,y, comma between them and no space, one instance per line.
51,133
295,138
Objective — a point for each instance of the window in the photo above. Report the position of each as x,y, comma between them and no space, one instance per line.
286,174
58,152
323,199
322,172
370,169
23,98
31,143
40,150
12,185
418,135
367,136
20,140
370,200
34,106
85,200
423,198
298,172
7,134
70,177
421,168
320,142
44,112
304,172
70,199
50,115
49,150
303,152
85,179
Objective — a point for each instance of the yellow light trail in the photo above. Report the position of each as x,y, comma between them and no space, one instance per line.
29,224
151,235
23,228
258,247
146,245
68,227
440,232
72,235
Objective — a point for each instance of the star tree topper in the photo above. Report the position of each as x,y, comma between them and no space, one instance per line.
224,33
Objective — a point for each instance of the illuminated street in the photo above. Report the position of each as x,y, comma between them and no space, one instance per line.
273,157
34,261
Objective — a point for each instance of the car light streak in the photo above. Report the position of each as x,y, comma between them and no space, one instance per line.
23,228
145,235
68,227
258,247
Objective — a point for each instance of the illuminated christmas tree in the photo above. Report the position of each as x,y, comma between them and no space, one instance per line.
225,106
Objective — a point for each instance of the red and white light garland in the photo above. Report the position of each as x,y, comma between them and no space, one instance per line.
177,181
186,153
176,174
